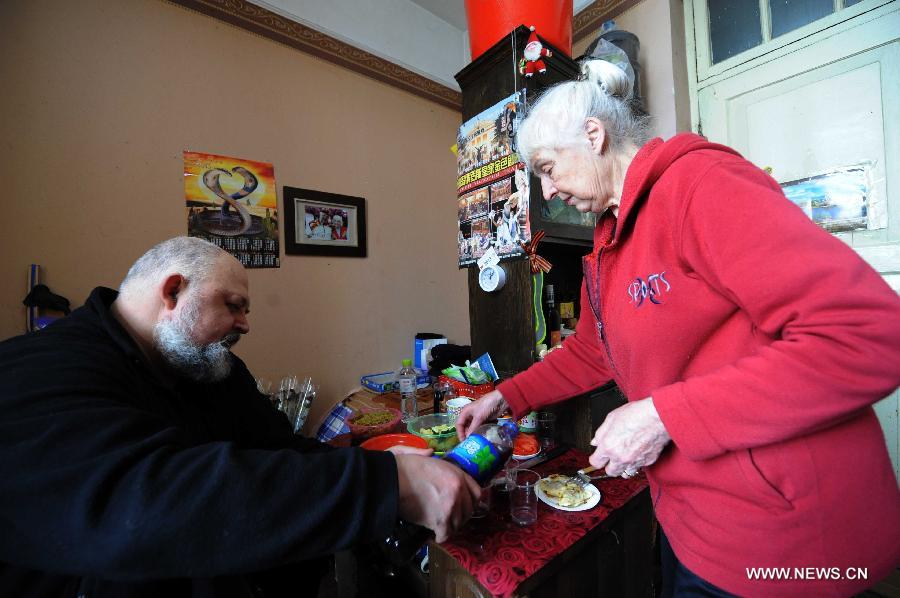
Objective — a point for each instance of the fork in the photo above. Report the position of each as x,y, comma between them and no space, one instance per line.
583,479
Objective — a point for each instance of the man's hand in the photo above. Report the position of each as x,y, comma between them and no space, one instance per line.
401,449
474,414
630,437
435,494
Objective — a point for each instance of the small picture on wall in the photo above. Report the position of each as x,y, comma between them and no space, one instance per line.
320,223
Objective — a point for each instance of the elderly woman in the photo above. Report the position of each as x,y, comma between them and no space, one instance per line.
749,342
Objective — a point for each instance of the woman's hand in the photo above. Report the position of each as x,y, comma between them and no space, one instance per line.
630,437
490,406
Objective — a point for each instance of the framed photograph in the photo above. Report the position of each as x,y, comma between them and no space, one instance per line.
320,223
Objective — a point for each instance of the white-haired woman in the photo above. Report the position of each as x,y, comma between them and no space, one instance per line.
338,230
749,342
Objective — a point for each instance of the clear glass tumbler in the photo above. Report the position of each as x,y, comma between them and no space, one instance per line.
523,499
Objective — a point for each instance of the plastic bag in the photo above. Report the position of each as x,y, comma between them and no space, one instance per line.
608,51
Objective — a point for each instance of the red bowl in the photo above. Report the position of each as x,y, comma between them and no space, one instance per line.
386,441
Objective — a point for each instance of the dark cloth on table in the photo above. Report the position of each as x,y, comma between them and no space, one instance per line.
114,484
443,356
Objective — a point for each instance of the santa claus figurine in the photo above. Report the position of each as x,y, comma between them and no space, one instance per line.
534,50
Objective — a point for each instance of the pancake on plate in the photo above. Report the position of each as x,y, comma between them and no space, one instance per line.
564,491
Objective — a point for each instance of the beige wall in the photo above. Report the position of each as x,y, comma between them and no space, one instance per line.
100,98
659,25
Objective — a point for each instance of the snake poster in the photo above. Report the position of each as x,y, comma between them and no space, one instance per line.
231,202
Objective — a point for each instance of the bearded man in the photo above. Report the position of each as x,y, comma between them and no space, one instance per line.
137,457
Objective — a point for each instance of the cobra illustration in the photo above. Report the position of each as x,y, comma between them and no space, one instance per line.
225,223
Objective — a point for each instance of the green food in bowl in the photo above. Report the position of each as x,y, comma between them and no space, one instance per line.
438,430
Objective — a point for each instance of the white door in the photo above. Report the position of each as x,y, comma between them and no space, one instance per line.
806,88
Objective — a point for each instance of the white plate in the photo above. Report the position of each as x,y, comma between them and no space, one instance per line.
525,457
592,502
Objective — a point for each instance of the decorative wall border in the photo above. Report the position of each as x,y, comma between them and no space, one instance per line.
588,21
271,25
261,21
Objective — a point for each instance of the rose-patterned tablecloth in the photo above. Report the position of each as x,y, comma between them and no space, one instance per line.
501,555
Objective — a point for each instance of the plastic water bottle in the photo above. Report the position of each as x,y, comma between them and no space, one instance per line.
485,451
481,455
406,384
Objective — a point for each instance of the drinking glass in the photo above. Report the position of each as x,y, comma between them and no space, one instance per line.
523,499
546,425
483,504
501,487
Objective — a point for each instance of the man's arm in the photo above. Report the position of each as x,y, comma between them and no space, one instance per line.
91,485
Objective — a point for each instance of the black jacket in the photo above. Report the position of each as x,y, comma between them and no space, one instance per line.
113,484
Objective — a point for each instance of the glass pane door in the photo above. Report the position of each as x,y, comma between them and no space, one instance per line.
788,15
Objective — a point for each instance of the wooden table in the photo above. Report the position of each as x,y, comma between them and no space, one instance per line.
366,399
606,550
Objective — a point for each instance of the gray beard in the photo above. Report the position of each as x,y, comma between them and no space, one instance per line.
201,363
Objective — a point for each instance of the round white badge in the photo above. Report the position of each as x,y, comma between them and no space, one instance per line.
492,278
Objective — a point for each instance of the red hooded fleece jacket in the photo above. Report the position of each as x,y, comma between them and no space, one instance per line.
763,341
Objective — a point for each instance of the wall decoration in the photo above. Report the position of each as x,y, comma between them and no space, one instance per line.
320,223
533,56
838,201
492,188
232,202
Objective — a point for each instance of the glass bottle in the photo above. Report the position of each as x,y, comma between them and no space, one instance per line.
443,392
554,322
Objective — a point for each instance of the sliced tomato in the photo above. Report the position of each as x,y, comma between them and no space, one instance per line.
526,444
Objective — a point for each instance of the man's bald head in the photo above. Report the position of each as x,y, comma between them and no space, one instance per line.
195,259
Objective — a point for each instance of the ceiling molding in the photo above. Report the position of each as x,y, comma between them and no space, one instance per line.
588,21
271,25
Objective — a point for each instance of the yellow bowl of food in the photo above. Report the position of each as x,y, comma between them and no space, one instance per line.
438,430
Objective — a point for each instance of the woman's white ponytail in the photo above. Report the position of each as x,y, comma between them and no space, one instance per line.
611,79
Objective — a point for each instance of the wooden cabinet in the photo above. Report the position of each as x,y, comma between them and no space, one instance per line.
502,322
